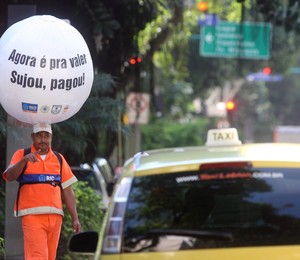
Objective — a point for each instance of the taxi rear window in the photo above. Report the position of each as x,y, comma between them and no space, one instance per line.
213,208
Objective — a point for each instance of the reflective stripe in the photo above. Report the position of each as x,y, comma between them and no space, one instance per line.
40,178
39,210
69,182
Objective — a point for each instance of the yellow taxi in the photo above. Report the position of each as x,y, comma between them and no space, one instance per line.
224,200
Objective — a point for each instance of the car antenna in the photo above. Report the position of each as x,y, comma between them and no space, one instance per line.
137,158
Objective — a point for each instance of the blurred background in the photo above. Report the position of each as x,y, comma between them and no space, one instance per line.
167,71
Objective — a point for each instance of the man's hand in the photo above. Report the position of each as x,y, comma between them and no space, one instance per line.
31,157
76,226
13,171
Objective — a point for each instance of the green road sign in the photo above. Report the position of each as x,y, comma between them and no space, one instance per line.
247,40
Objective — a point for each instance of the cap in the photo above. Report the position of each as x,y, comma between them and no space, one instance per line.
42,127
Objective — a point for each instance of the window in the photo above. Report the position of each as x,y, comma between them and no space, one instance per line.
89,177
213,209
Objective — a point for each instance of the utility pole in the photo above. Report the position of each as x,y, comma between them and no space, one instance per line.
18,136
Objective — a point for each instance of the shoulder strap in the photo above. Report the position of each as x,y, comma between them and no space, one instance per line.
26,151
59,159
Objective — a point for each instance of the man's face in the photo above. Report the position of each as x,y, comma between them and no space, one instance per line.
42,141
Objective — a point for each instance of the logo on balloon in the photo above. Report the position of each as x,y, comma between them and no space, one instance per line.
45,109
56,109
33,108
46,70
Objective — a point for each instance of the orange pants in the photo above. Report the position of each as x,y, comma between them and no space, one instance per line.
41,235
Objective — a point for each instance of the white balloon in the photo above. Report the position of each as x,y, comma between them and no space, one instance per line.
46,70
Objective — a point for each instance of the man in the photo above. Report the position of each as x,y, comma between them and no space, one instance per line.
44,177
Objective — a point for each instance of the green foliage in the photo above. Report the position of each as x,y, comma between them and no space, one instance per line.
2,248
165,133
2,182
79,137
283,13
286,96
2,122
90,216
2,206
256,117
104,23
283,58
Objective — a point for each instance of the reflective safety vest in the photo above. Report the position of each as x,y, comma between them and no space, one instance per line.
52,179
38,197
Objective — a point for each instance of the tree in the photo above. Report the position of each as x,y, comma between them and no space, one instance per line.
92,131
111,30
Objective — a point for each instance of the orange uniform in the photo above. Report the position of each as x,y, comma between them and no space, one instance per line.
41,198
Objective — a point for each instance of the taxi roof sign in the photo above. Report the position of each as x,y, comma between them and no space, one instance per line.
223,136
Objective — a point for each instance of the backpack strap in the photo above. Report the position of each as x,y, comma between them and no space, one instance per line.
59,159
28,151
